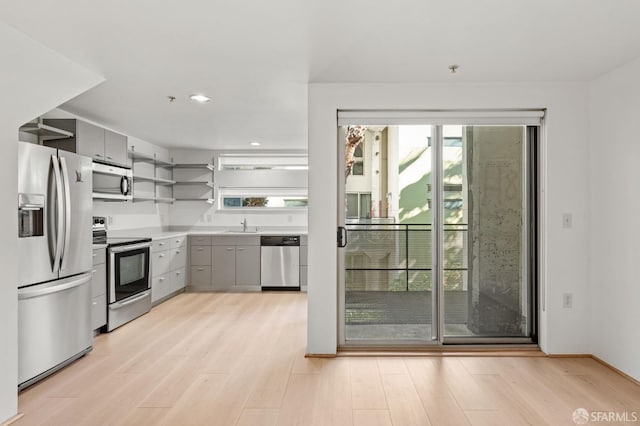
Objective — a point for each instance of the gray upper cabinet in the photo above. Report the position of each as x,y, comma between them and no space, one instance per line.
90,140
115,147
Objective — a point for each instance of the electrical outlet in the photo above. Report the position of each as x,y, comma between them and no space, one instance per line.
567,300
567,220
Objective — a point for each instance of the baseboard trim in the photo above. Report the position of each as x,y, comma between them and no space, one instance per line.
569,355
12,419
320,355
622,373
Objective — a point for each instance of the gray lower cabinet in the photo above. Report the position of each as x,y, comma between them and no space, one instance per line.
99,289
247,265
168,263
236,262
222,263
200,262
200,277
224,267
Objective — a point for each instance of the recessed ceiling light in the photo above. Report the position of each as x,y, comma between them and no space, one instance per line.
255,144
200,98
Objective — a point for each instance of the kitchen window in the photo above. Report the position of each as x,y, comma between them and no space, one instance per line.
263,198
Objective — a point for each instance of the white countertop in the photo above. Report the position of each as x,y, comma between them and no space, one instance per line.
157,234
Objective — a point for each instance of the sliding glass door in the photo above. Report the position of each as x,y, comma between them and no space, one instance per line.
439,232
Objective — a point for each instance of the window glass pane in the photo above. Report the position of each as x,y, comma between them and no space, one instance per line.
352,206
255,202
358,151
231,202
358,168
365,206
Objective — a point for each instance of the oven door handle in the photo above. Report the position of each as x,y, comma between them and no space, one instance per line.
129,247
120,305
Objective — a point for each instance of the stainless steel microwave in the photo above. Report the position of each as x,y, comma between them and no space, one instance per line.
112,182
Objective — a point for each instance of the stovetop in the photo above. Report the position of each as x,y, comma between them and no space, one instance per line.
100,235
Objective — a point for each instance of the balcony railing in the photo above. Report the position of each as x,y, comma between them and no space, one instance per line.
398,257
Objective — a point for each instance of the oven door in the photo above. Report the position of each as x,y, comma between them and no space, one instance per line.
111,182
128,271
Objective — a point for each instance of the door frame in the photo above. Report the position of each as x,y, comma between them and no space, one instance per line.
533,152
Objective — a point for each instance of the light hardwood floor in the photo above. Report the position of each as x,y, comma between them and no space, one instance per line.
238,359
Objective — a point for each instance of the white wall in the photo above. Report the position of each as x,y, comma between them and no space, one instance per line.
615,210
33,79
567,181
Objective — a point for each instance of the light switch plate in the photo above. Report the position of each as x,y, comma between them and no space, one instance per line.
567,220
567,300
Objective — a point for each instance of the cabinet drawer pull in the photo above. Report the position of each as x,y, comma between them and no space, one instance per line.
178,251
160,244
200,270
162,255
94,303
229,248
161,279
98,155
178,273
110,158
240,249
95,254
94,271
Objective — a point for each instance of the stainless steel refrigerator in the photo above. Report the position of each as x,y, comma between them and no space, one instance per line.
55,260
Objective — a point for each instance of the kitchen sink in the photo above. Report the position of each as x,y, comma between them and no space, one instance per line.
240,231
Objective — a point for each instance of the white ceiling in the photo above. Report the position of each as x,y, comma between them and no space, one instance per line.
255,58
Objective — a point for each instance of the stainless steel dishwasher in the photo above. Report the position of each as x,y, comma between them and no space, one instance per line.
280,262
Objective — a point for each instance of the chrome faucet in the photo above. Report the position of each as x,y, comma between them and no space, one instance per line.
244,225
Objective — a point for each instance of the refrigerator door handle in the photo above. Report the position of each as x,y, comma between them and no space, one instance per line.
67,212
59,213
37,290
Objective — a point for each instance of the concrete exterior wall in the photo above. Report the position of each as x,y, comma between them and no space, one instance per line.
495,170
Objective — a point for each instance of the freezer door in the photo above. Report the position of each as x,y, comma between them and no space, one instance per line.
54,325
77,177
36,181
